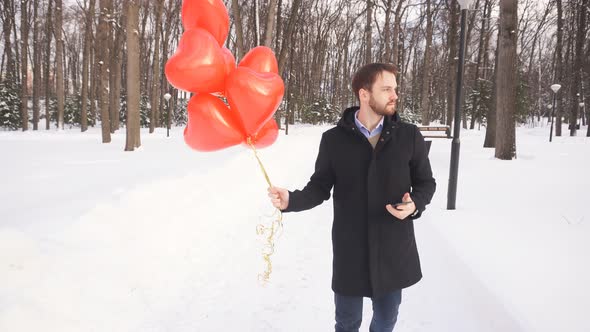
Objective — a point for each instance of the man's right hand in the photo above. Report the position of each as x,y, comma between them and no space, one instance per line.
279,197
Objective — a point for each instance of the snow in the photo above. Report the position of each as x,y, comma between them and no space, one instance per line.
163,239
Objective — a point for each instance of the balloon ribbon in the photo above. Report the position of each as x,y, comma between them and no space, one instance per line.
268,232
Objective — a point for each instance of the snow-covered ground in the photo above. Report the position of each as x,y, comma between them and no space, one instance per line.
164,239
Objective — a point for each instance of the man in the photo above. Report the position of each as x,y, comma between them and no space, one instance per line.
374,161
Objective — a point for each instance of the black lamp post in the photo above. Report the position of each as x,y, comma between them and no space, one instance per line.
555,88
167,96
582,114
455,146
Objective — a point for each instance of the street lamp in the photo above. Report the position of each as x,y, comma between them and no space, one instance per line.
455,146
167,96
582,113
555,88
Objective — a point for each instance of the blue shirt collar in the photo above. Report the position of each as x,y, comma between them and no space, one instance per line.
364,130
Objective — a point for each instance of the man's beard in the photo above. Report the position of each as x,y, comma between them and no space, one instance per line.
384,110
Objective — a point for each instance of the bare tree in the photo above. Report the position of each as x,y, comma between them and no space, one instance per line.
506,80
578,64
396,30
240,52
115,71
24,32
286,44
36,66
48,37
133,89
155,114
452,60
59,76
427,64
490,139
103,55
270,22
559,66
369,32
7,26
85,64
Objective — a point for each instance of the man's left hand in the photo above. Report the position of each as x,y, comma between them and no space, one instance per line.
403,210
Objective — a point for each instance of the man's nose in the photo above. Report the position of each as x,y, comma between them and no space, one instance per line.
393,96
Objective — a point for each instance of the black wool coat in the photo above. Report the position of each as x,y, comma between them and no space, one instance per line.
374,252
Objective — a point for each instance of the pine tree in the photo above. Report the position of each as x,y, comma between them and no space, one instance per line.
10,103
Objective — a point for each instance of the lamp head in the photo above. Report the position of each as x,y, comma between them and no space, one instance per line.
167,96
465,3
555,87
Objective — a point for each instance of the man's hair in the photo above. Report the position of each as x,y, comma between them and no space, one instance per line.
367,74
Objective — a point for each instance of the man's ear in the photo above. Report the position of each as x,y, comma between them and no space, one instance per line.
363,94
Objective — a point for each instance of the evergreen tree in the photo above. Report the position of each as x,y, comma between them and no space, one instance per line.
180,115
10,103
144,110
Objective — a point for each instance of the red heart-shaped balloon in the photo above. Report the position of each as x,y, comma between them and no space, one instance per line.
198,64
210,15
230,61
254,97
211,125
265,136
261,59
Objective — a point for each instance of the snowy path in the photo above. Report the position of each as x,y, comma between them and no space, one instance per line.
163,239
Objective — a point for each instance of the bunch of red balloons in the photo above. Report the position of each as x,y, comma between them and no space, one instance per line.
202,65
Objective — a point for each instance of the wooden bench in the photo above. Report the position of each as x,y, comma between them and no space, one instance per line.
442,132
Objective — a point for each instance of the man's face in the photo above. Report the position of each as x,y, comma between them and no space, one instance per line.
382,97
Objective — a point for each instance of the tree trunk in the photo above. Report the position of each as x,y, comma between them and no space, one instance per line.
36,66
507,80
426,68
17,58
235,6
93,69
7,26
369,32
490,140
270,22
49,30
85,62
387,32
288,35
481,52
578,65
155,102
559,66
452,61
133,89
115,76
24,31
59,71
396,30
103,56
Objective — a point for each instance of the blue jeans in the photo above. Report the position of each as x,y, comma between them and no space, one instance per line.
349,312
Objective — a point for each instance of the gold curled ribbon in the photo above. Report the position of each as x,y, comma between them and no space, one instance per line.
262,230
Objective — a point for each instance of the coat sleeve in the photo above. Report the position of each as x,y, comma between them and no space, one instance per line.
423,184
319,186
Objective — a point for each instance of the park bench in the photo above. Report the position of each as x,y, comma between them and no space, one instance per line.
435,132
